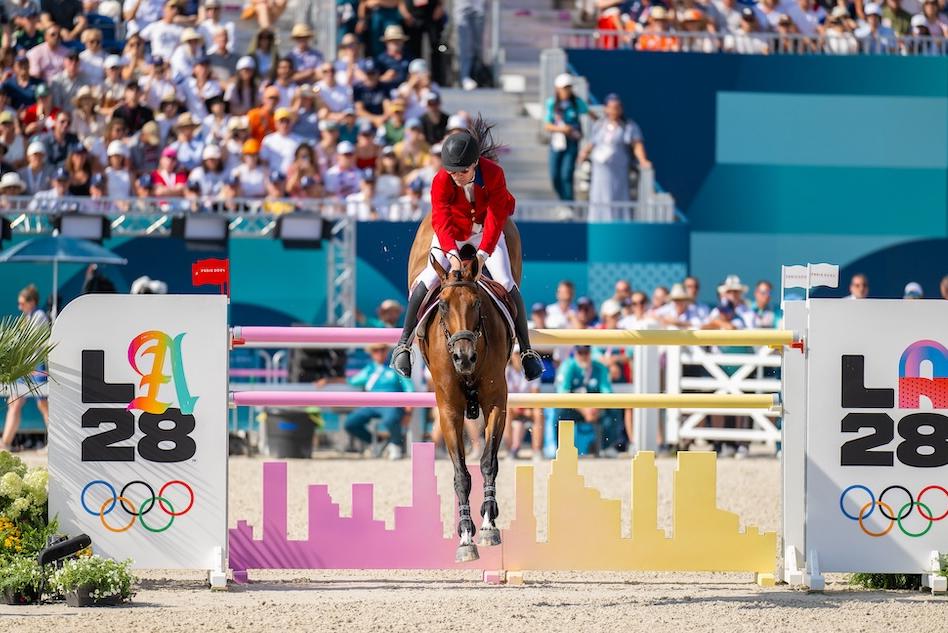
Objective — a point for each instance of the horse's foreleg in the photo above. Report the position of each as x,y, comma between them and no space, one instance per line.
452,426
495,418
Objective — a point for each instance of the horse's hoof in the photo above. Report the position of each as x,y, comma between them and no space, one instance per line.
488,537
466,553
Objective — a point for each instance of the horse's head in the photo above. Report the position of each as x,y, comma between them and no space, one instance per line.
461,314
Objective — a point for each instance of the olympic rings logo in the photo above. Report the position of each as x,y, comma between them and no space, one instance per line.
146,506
894,518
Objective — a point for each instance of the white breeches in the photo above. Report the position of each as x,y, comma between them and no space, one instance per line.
498,264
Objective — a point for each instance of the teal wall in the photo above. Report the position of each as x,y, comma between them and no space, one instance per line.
782,159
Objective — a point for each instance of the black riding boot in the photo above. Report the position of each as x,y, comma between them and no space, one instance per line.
401,355
532,364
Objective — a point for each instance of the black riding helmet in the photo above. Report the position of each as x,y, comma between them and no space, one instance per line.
459,151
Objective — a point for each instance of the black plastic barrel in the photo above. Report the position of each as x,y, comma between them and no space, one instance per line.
290,433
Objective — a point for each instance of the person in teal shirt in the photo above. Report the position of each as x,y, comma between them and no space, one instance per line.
378,376
562,121
581,374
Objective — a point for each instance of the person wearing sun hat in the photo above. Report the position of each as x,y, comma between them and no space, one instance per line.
680,311
378,377
392,62
11,184
118,176
306,59
187,147
169,179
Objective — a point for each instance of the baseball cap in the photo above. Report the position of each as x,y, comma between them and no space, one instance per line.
251,146
345,147
610,307
169,152
457,122
211,151
412,124
417,185
917,20
418,65
563,80
42,90
388,150
61,174
368,175
117,148
538,307
246,62
97,180
6,116
114,61
583,349
431,97
913,290
326,124
748,14
145,181
282,113
873,9
584,302
367,66
35,148
307,181
277,176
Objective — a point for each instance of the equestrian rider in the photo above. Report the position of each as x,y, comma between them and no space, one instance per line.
470,204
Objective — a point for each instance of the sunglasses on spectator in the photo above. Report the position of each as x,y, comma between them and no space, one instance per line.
638,303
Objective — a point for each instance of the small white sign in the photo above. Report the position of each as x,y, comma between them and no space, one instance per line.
138,427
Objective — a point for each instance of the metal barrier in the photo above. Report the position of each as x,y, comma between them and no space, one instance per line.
751,43
695,369
258,217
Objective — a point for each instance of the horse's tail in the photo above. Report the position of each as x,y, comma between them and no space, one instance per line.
482,132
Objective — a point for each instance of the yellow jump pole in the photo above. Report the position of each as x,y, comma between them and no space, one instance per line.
661,337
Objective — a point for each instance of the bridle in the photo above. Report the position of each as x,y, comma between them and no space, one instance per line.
461,335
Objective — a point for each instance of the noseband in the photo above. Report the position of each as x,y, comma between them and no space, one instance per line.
461,335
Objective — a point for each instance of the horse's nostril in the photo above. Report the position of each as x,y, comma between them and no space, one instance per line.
473,358
457,358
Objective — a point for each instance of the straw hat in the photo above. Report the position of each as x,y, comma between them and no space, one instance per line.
301,30
85,92
732,282
185,119
189,35
678,293
394,33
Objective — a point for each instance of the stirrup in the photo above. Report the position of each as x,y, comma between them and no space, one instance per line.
527,355
403,370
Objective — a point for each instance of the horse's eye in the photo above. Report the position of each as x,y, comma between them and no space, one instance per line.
442,307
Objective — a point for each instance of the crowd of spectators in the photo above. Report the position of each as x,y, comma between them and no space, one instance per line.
834,27
173,111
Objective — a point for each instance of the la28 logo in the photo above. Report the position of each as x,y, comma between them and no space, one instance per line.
166,430
917,448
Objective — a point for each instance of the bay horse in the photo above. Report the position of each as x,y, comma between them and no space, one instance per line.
466,346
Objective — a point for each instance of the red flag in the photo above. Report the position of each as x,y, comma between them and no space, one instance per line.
211,272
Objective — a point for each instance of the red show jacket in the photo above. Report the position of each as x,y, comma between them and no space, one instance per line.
453,216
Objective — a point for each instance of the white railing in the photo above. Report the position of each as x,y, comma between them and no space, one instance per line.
750,376
751,43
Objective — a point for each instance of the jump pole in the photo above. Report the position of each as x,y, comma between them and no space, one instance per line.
327,336
530,400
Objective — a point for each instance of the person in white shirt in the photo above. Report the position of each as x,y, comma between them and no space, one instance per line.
746,40
207,180
201,87
638,316
157,83
813,16
186,55
858,287
679,312
92,59
343,178
837,33
212,22
560,314
727,16
874,37
362,205
335,96
279,148
163,35
118,179
140,13
250,175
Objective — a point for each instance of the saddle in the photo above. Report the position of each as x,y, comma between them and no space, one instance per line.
495,290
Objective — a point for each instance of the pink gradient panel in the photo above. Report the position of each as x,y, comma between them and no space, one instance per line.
360,541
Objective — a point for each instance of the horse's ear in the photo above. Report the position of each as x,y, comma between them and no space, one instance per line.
474,268
442,273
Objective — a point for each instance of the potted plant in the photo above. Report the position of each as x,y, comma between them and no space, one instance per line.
20,580
93,582
25,345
